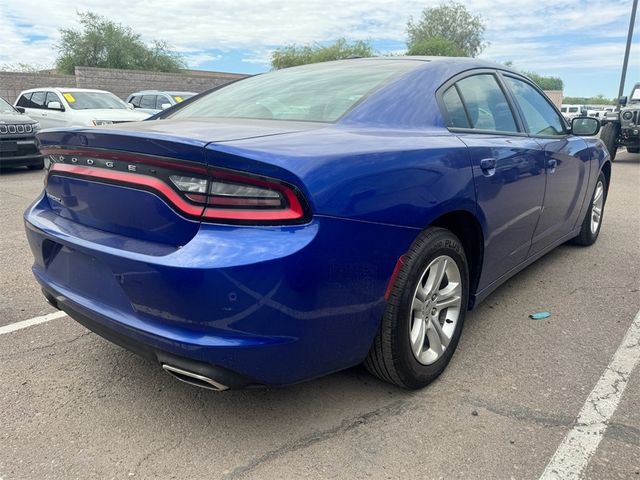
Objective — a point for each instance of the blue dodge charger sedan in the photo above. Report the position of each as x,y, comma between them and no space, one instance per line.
303,221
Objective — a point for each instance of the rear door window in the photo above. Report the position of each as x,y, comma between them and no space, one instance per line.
456,115
486,104
24,100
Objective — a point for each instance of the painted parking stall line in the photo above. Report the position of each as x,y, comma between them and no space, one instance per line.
579,445
13,327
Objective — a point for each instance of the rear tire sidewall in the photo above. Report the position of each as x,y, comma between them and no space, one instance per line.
413,373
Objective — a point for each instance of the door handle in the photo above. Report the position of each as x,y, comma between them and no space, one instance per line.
488,166
552,163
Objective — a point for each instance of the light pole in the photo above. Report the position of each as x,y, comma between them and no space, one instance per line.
634,7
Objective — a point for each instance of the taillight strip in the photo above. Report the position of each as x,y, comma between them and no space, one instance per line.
294,210
131,179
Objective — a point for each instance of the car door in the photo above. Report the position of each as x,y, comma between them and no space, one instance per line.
55,118
508,169
567,163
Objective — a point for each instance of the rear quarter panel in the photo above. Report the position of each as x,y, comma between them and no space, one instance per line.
405,178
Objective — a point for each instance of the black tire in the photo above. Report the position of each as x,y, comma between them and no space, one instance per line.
633,149
391,357
587,236
609,137
36,166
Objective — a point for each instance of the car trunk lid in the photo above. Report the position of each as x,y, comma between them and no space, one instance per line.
129,180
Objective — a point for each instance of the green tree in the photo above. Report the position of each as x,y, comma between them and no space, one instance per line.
450,21
545,83
599,99
100,42
437,46
293,55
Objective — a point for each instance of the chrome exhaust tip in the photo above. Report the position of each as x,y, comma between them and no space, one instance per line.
194,379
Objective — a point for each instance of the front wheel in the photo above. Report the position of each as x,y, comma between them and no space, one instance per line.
633,149
593,219
425,312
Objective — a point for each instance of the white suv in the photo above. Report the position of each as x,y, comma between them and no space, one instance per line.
75,107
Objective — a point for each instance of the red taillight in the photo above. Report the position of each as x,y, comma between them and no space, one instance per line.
194,190
235,196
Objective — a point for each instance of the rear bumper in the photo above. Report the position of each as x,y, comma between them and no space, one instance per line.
133,342
269,305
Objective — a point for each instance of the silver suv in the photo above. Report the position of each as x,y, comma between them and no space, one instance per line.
154,101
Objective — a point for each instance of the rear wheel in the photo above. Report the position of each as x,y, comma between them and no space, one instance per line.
609,137
593,220
423,320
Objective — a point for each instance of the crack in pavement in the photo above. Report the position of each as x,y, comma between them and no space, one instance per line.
390,410
619,431
44,347
524,414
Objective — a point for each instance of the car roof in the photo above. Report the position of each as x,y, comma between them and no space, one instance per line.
169,92
63,89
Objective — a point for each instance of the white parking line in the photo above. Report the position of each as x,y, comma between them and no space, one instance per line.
12,327
575,451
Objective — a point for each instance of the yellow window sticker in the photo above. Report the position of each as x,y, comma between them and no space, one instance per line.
69,97
178,99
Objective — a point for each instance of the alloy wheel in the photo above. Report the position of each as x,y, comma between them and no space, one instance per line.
435,309
596,207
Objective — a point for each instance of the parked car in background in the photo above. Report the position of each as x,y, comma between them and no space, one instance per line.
76,107
622,128
18,138
303,221
570,111
154,101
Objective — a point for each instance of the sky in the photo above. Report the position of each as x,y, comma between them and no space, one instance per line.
581,41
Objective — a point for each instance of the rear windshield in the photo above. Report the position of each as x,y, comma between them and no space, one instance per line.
315,93
93,100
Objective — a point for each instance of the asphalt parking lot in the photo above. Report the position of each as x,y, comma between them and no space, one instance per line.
76,406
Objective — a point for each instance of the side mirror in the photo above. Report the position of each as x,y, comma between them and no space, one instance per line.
20,109
131,106
164,106
585,126
622,101
55,106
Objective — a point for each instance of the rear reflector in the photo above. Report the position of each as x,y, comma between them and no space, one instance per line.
393,278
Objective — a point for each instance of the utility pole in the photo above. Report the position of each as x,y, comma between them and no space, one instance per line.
634,7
